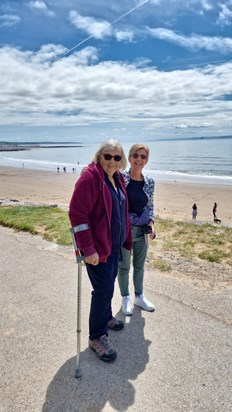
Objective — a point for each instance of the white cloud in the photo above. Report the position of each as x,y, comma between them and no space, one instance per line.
172,8
99,29
93,27
194,41
43,89
125,36
206,5
41,6
9,20
225,15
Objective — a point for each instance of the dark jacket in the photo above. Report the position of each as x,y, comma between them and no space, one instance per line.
91,204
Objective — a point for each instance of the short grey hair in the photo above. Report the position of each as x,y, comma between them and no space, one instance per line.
109,145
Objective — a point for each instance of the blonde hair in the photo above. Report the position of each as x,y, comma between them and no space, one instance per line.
109,145
135,147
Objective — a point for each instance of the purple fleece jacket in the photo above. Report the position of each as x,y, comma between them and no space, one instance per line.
91,204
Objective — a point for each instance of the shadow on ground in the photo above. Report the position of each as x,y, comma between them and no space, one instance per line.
101,383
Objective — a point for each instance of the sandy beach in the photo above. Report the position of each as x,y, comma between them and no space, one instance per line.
172,200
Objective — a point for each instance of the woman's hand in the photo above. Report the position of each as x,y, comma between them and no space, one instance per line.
152,234
92,259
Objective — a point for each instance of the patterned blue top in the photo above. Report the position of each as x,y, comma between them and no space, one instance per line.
148,188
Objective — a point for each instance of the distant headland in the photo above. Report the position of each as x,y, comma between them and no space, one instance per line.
15,147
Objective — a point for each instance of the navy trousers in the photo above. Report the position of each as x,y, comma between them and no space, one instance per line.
102,278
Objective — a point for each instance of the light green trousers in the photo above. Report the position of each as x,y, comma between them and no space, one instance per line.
138,259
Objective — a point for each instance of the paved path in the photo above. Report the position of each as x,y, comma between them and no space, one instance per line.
176,359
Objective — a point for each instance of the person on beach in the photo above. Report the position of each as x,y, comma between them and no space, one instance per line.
140,192
194,211
99,213
215,211
215,218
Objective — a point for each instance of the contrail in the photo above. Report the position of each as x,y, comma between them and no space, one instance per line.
111,24
129,11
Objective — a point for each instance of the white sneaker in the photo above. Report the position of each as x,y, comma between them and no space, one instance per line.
126,306
144,303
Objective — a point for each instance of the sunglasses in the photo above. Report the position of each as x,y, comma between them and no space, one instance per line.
107,156
136,155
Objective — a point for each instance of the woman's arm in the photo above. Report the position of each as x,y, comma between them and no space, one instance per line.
80,208
150,189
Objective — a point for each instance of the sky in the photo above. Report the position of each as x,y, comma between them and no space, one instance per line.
134,70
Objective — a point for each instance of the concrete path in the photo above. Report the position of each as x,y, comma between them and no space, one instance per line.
178,358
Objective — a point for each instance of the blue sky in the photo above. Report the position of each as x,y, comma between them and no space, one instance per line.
129,69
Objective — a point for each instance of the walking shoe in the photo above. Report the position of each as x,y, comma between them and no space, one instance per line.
115,324
144,303
103,349
126,306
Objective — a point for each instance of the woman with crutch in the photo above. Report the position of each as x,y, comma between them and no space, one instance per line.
99,205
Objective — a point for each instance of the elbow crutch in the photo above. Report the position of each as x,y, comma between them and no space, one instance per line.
79,259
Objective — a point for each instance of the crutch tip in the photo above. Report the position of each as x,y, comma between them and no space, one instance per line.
78,373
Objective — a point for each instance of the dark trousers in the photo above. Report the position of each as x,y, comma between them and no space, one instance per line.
102,278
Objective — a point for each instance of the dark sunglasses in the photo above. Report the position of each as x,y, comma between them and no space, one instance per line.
107,156
136,155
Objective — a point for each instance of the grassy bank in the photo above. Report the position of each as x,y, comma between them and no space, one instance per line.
189,240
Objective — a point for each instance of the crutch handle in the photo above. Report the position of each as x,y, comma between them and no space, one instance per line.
79,256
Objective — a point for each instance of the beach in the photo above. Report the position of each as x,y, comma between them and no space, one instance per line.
173,200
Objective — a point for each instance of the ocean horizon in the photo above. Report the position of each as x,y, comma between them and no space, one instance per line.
188,160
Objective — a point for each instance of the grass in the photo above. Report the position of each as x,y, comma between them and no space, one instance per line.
189,240
214,255
159,264
52,223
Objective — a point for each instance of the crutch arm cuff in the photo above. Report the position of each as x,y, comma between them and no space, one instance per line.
80,228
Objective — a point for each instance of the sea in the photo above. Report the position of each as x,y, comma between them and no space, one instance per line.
206,160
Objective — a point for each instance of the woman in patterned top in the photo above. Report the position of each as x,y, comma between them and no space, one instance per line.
140,192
